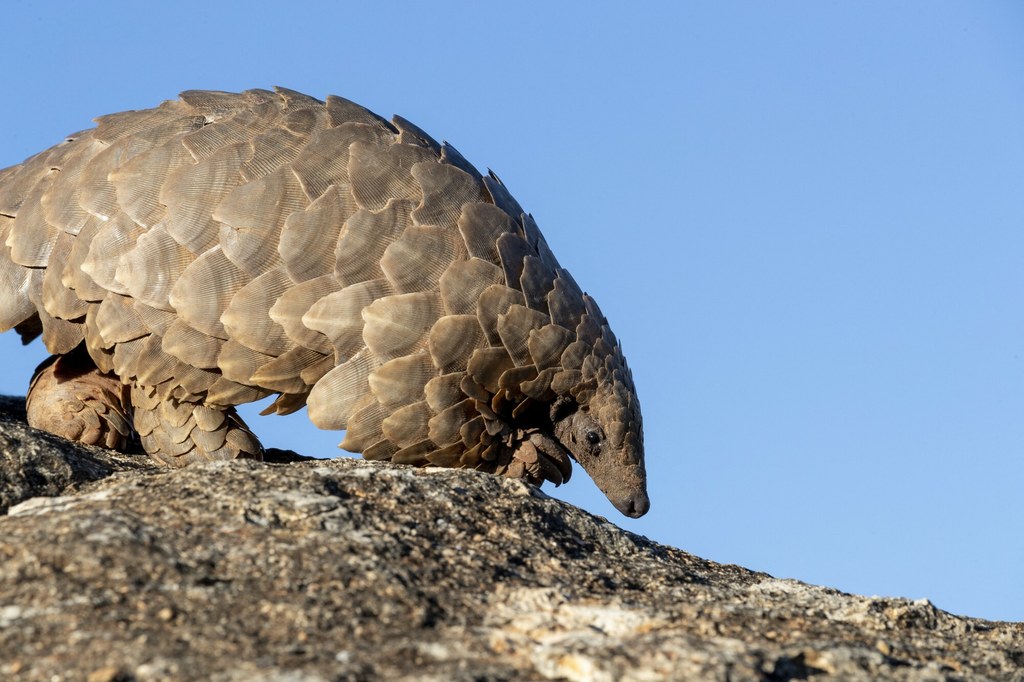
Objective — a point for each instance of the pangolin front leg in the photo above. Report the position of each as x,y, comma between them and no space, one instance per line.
537,458
70,397
177,433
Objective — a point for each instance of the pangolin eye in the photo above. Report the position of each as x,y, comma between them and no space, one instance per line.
593,437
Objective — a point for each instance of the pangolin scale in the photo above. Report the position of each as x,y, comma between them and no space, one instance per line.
222,247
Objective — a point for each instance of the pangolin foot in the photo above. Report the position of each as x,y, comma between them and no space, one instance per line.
71,398
176,433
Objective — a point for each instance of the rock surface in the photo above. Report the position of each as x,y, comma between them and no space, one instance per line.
113,569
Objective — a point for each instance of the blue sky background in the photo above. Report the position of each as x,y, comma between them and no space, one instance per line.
804,220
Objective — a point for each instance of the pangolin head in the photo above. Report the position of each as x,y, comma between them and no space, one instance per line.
601,427
592,416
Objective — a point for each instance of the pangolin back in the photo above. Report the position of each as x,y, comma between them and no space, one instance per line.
224,247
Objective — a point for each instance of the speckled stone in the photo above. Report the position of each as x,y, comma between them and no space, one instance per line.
113,569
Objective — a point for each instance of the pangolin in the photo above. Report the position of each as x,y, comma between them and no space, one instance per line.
222,247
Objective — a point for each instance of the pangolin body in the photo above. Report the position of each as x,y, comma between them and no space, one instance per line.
222,247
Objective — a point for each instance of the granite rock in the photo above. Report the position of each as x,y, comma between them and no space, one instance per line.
116,570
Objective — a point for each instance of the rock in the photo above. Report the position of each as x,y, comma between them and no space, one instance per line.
35,463
349,570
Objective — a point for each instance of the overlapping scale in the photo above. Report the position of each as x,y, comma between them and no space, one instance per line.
417,260
290,308
464,281
282,143
61,205
339,315
103,249
285,372
398,325
30,238
400,381
309,238
252,217
190,345
247,318
409,426
150,270
73,276
365,238
15,305
323,163
445,189
204,290
192,192
343,388
481,225
452,340
137,183
57,299
379,172
514,327
118,322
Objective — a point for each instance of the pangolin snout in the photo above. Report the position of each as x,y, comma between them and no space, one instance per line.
633,506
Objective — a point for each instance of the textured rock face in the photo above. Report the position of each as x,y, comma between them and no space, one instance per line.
350,570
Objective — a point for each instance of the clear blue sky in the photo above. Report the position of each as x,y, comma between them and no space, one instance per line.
804,220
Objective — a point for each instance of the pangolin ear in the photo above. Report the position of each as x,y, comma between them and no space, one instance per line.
562,408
